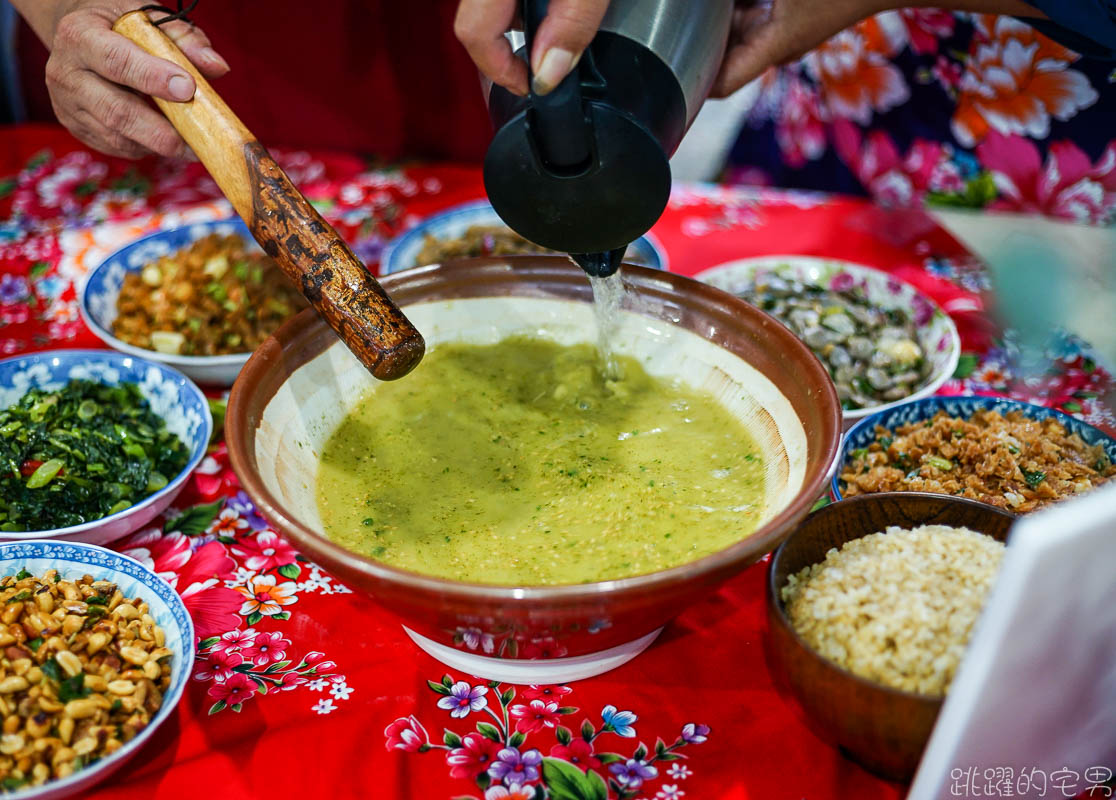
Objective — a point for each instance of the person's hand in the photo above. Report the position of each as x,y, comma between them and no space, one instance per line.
93,75
763,32
559,42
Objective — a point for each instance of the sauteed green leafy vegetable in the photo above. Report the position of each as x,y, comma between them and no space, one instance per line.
80,453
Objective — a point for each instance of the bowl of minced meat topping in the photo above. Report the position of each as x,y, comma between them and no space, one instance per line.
871,605
1009,454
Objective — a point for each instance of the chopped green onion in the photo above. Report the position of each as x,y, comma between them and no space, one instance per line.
156,481
45,473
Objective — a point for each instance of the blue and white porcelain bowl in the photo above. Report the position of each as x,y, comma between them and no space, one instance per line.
402,252
72,560
172,396
937,333
102,288
864,432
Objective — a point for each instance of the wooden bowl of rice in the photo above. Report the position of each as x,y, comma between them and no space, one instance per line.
897,607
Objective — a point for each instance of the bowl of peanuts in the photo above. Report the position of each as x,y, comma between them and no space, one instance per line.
95,653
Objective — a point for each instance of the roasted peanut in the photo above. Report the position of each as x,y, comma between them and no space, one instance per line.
45,600
71,624
134,655
38,725
70,663
65,729
112,644
122,687
13,683
80,709
11,743
96,641
127,611
85,746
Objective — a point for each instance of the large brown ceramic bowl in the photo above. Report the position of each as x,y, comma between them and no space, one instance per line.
299,385
884,729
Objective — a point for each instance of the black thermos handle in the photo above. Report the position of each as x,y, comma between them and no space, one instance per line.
556,121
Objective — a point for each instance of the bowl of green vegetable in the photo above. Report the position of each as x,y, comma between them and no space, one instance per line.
94,444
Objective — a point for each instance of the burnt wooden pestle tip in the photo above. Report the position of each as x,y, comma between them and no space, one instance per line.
400,360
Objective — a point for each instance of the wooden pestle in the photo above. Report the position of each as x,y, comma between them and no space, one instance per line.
282,220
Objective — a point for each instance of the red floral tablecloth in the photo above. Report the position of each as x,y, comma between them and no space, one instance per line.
304,688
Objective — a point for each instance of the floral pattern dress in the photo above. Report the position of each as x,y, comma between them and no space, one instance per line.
926,106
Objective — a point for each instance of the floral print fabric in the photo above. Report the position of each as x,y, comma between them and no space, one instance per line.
922,105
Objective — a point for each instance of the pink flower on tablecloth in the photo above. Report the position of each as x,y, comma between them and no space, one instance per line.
235,641
218,664
165,553
237,688
265,596
59,186
264,550
266,648
227,523
473,757
196,574
1068,185
212,606
545,693
578,752
406,734
218,479
291,680
534,716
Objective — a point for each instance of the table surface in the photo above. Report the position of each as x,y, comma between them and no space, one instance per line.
306,688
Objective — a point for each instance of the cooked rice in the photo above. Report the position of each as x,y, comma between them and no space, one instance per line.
1012,461
898,607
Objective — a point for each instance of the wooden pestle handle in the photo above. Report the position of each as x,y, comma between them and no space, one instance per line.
282,220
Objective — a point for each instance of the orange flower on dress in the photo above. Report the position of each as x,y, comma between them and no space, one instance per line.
853,70
264,597
1015,80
